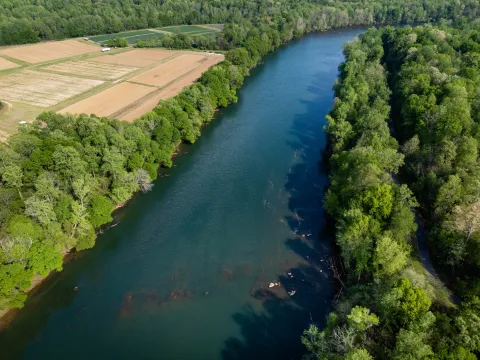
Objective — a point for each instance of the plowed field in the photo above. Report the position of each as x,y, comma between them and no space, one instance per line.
92,69
169,71
5,64
171,90
48,51
136,58
42,89
109,101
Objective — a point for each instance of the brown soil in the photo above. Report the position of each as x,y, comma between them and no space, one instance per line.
5,64
110,100
171,90
136,58
164,73
48,51
91,69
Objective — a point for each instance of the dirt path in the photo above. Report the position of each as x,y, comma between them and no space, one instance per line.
425,258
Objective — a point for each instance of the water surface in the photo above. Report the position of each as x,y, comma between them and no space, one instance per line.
186,272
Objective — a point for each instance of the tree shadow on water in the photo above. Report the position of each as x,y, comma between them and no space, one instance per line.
304,292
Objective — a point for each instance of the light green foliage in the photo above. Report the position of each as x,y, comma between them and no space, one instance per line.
100,210
117,42
468,327
40,210
389,257
378,200
23,227
316,343
356,236
45,256
361,319
467,152
448,195
358,354
411,345
135,161
405,303
13,279
68,162
12,177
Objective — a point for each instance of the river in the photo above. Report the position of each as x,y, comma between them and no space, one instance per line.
185,273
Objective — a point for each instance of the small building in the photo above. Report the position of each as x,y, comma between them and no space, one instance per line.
86,39
105,49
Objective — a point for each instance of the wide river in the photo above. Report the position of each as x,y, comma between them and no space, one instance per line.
186,270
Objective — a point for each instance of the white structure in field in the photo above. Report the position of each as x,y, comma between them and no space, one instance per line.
105,49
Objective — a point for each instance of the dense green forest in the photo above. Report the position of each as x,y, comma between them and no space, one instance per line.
25,21
423,133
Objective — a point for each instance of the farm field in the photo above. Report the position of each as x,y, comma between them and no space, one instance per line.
91,69
111,100
42,52
131,36
137,58
5,64
79,78
42,89
170,90
165,73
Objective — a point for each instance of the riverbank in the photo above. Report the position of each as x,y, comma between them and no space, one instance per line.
186,127
8,315
228,220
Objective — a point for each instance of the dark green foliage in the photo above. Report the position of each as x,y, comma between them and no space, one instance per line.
100,210
32,21
435,89
117,42
436,80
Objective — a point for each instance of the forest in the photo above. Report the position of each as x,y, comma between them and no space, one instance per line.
404,142
26,21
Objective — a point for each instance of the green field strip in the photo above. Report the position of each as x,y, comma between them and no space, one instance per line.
15,61
207,33
156,35
184,29
127,34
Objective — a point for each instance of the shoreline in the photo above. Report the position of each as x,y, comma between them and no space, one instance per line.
7,315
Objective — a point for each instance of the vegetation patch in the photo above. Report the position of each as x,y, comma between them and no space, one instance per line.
395,306
188,29
130,36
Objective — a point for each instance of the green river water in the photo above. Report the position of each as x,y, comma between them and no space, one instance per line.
185,272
